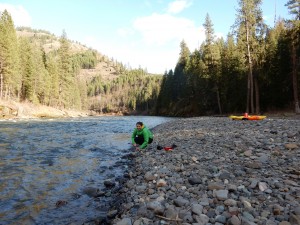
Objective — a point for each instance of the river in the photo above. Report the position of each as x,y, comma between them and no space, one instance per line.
47,161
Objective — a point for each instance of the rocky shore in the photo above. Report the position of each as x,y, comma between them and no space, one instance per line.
16,110
221,172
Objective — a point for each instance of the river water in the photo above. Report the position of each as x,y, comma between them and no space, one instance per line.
51,160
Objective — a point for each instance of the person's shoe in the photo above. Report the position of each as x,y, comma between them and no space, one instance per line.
159,147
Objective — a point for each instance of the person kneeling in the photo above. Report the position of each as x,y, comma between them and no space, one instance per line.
141,136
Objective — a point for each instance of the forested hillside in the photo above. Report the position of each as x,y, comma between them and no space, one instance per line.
255,69
38,67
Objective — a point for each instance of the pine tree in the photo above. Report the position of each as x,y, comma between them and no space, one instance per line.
249,25
294,34
294,8
232,78
164,99
65,78
52,67
10,79
179,79
212,59
40,75
276,80
27,70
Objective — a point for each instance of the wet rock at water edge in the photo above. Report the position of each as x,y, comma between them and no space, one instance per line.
109,183
61,203
93,192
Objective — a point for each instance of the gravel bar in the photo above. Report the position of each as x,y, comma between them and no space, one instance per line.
221,172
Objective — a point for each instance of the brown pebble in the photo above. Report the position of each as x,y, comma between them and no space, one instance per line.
276,211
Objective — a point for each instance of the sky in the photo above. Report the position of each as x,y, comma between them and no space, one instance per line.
138,33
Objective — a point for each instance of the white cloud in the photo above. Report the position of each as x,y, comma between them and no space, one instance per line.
267,18
136,54
19,15
178,5
161,29
145,57
124,32
152,41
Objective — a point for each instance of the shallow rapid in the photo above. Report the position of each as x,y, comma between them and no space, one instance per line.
44,162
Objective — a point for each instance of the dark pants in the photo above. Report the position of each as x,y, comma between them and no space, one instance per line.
140,140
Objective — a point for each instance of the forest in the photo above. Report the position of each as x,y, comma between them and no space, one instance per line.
254,69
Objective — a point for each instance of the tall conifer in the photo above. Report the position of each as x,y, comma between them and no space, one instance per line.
9,58
65,78
212,60
249,25
294,34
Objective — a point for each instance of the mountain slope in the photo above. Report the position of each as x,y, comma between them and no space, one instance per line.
105,67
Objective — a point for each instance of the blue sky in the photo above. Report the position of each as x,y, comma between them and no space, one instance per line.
145,33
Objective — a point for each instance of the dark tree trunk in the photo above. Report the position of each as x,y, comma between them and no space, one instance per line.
295,80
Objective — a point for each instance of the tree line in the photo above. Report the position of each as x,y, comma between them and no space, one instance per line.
255,69
133,91
31,73
28,73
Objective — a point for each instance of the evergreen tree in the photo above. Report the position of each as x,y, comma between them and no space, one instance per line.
294,34
276,80
40,75
179,79
65,77
212,59
27,70
294,8
250,24
52,67
164,99
232,79
10,80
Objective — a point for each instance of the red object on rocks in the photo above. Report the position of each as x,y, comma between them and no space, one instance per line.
168,148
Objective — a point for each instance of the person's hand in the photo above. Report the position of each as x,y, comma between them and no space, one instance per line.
134,144
137,149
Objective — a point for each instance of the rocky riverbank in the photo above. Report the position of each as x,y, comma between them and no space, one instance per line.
221,172
10,110
17,110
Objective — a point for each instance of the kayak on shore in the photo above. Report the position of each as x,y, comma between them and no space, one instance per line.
247,117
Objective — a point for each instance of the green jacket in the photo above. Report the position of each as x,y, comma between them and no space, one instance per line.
145,132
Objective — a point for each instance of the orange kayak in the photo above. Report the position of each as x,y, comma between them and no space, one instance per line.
248,117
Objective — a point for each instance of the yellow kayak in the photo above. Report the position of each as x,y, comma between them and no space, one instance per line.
248,117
